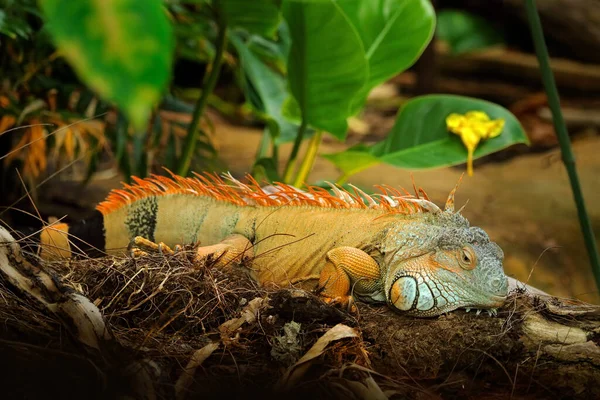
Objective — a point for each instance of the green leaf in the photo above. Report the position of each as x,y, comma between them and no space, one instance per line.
121,141
394,33
420,140
119,48
466,32
139,155
265,169
353,160
265,88
171,152
327,65
256,16
275,52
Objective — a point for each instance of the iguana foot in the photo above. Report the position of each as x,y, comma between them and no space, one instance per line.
348,269
344,302
141,246
233,249
492,312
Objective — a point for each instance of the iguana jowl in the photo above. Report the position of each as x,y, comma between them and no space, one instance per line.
392,247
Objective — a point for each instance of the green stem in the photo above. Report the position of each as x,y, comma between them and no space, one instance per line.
275,152
263,145
342,179
563,136
291,164
193,132
309,159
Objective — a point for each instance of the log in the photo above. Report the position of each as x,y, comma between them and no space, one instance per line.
500,75
573,23
571,27
154,327
571,76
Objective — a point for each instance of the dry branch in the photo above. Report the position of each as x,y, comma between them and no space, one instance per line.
157,328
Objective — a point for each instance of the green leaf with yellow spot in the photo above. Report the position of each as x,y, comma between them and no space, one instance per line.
122,49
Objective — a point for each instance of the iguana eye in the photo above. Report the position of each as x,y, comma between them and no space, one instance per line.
466,258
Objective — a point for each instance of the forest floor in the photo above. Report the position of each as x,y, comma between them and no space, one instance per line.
160,328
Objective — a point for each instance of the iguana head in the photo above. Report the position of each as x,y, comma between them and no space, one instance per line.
440,264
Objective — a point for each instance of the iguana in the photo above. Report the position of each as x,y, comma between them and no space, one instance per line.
392,247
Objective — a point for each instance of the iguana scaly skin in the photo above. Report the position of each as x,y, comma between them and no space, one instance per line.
392,247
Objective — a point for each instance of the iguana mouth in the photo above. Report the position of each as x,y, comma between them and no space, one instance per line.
492,301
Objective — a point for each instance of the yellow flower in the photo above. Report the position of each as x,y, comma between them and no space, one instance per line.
472,128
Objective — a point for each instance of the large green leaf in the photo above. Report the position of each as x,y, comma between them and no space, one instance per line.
121,48
394,33
256,16
327,65
466,32
420,140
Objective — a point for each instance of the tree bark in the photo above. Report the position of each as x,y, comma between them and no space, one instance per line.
140,328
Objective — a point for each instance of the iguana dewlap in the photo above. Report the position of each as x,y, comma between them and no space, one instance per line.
392,247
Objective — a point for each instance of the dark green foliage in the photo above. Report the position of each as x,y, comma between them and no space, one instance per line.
302,67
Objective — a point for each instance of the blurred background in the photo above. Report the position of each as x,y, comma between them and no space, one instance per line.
520,195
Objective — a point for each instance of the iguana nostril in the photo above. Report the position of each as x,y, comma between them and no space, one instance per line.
499,285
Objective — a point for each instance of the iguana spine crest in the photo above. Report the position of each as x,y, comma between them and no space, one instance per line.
231,190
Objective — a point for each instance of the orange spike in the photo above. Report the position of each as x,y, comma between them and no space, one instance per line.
229,189
450,201
381,189
412,178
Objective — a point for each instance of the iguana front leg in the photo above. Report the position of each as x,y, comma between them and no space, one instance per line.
230,250
348,270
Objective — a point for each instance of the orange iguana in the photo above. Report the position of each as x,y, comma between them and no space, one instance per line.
391,247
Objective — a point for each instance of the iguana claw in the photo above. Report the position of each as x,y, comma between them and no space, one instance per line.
141,246
343,302
492,312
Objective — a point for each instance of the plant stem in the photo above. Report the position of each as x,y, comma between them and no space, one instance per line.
309,159
291,164
563,136
342,179
263,145
275,152
193,132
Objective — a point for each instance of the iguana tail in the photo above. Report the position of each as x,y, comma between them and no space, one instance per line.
85,238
